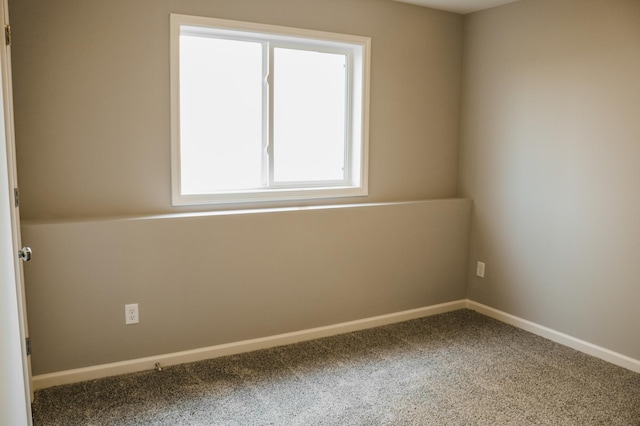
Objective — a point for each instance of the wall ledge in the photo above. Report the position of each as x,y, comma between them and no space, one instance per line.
232,212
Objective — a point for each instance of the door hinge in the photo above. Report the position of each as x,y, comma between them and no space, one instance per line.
16,196
7,34
28,345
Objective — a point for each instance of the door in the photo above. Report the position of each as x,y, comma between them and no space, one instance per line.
15,371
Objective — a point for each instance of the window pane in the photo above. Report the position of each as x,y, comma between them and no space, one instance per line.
309,115
220,114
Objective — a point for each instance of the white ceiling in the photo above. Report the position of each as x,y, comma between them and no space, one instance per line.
459,6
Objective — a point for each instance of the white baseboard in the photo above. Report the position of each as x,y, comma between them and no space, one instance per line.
141,364
558,337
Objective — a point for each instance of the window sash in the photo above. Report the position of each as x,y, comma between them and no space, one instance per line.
345,137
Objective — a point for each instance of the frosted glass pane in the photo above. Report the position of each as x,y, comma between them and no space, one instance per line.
220,114
309,116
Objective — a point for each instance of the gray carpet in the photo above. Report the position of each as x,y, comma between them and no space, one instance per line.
459,368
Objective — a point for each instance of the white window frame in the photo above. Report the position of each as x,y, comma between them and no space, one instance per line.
357,138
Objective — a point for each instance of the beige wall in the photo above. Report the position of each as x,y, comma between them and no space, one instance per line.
551,156
548,151
91,82
208,280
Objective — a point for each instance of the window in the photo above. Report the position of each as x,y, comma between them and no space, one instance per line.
264,113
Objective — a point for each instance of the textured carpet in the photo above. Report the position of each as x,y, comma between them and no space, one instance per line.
459,368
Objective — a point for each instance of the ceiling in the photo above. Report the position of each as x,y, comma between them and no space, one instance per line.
459,6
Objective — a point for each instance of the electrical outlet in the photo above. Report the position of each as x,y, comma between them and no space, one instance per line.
480,269
131,314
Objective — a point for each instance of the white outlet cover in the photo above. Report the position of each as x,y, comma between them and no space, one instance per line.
131,315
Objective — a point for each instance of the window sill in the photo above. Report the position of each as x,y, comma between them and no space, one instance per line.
269,195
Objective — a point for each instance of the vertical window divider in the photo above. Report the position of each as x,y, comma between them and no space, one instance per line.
267,122
270,112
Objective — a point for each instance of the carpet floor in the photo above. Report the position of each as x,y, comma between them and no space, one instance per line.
458,368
